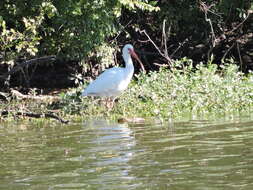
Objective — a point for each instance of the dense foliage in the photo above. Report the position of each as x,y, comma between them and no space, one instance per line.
70,29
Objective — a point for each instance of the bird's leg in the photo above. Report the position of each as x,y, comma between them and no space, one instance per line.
103,101
110,103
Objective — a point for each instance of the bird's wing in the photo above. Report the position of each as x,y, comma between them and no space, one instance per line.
106,83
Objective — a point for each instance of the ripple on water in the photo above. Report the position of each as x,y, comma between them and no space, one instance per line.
100,155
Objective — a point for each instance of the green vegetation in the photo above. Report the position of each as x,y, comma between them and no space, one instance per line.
85,37
69,29
75,30
173,93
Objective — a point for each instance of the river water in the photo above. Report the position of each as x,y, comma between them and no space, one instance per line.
190,155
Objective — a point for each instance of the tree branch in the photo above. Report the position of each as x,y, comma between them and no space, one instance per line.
164,37
27,63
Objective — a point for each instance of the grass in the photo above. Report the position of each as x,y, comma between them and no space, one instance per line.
172,94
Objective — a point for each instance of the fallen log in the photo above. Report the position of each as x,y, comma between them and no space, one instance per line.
45,98
34,115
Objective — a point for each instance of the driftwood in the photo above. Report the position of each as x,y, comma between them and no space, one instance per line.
135,120
45,98
26,63
34,115
3,96
42,98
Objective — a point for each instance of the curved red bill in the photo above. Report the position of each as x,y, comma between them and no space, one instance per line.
134,55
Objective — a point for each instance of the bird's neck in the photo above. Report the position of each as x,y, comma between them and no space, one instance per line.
129,62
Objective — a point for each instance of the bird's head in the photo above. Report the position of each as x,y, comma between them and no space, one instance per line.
128,49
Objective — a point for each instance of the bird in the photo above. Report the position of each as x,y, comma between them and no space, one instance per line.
112,82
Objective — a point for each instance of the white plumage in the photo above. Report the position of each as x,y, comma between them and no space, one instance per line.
112,82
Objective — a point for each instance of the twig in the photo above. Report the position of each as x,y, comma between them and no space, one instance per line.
239,53
225,54
235,28
165,54
160,65
143,41
8,78
34,115
180,45
26,63
3,96
205,9
121,30
143,31
164,37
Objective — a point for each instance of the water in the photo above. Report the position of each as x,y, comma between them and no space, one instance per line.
192,155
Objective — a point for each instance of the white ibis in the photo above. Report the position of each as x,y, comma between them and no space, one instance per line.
112,82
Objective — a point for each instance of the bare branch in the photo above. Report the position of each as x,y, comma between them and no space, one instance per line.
205,9
225,54
160,65
239,54
144,32
121,30
27,63
165,53
164,37
235,28
180,45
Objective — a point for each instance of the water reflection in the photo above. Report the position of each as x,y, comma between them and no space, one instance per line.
103,155
111,148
